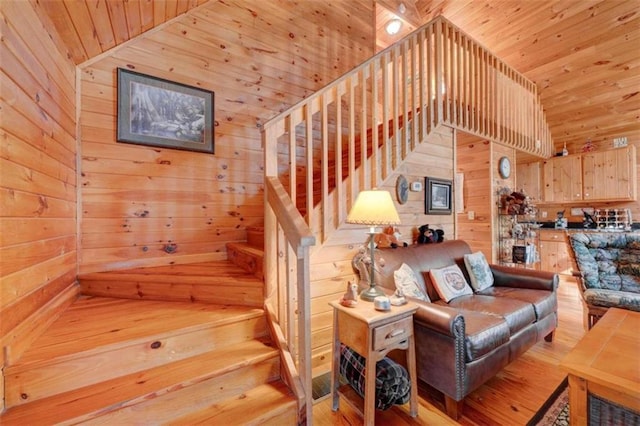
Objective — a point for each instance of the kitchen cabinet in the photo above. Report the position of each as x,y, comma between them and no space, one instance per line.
594,176
555,255
528,179
610,175
562,178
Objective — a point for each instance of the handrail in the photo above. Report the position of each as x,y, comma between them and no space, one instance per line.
287,290
352,135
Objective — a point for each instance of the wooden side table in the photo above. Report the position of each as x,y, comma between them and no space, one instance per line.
373,334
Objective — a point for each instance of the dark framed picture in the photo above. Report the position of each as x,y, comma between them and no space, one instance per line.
438,196
157,112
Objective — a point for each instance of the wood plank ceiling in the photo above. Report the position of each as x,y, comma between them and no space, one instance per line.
583,55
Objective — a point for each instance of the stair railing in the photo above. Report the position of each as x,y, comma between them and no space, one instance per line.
435,76
288,302
353,134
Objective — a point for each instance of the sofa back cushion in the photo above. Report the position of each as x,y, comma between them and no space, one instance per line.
407,282
608,260
449,282
479,271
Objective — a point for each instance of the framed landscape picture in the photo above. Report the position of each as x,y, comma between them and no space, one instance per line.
157,112
437,196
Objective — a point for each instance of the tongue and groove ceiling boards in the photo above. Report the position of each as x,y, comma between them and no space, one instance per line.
584,56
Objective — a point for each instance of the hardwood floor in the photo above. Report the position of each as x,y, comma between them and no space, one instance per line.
510,398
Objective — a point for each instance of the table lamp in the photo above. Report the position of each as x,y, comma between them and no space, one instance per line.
373,208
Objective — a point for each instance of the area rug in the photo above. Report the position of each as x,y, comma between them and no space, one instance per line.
555,410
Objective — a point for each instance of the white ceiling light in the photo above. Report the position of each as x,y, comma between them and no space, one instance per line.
393,26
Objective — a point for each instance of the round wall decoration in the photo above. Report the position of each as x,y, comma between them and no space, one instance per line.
504,167
402,189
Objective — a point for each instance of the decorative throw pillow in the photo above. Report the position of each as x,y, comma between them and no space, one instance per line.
479,271
449,282
407,282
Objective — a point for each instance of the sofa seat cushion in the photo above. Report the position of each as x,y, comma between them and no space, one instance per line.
517,314
612,298
483,334
544,302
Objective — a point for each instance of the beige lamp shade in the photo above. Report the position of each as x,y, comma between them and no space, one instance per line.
374,207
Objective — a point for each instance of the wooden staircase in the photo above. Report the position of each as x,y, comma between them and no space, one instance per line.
208,282
249,255
133,360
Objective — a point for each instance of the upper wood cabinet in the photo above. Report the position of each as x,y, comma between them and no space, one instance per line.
562,177
610,175
528,179
593,176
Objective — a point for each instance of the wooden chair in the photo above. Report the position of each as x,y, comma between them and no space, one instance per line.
591,313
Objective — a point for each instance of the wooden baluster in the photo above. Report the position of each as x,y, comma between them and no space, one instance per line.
309,164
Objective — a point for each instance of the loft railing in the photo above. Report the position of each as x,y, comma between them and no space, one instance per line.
352,134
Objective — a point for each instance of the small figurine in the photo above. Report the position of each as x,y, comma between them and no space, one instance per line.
350,298
561,221
398,298
389,238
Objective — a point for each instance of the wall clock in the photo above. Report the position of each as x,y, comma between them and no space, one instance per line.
504,167
402,189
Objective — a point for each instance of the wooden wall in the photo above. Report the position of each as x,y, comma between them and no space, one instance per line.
151,206
477,159
331,265
473,160
37,172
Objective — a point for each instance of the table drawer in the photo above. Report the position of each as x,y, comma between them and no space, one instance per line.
392,333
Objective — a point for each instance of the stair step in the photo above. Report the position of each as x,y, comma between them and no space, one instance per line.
220,282
270,404
162,392
247,257
255,237
97,338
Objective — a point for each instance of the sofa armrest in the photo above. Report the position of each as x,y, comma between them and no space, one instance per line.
441,319
505,276
612,299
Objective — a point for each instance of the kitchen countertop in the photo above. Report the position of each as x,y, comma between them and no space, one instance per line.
578,227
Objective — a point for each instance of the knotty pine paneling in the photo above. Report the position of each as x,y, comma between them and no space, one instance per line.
331,268
582,55
477,159
498,151
38,191
91,28
473,160
151,206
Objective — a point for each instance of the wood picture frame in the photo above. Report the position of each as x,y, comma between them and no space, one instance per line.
438,196
157,112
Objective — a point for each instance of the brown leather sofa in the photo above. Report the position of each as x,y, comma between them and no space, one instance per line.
462,344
